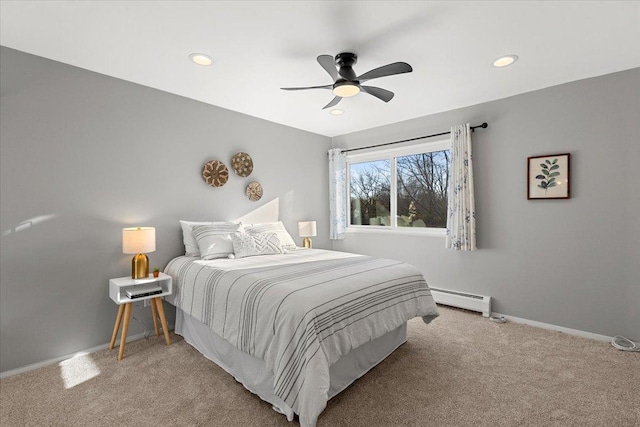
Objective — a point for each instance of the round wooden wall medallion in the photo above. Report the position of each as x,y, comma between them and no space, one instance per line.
254,191
215,173
242,164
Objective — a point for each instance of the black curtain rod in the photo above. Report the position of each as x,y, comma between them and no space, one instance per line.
473,128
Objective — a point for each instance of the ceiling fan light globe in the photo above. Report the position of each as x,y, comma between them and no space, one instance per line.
346,90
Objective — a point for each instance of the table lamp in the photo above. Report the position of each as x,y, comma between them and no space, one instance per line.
139,240
307,229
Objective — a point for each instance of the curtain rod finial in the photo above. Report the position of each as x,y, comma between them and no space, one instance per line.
483,126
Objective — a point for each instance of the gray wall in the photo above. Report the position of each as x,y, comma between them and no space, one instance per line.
84,155
572,263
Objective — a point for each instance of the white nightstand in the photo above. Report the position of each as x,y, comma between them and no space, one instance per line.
118,293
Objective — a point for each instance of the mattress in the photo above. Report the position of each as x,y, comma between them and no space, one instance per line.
300,312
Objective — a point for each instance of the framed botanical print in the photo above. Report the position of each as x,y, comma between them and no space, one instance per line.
548,177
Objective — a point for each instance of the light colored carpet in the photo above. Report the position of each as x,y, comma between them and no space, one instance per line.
462,370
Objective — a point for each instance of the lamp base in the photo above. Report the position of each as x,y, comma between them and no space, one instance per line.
140,267
307,243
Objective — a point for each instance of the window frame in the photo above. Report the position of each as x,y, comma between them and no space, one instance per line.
391,154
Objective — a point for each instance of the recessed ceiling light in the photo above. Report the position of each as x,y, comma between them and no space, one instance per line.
201,59
505,61
336,112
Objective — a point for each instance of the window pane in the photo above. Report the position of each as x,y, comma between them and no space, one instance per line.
370,192
423,180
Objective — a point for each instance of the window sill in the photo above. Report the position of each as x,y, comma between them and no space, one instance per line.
428,232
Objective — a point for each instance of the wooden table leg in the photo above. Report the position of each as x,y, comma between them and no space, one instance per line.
163,319
116,326
125,328
154,313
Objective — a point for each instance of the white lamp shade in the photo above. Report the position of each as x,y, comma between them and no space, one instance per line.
138,240
307,229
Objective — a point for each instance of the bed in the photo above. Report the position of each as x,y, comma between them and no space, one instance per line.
297,328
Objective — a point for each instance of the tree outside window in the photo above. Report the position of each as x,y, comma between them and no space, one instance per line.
418,199
423,180
370,192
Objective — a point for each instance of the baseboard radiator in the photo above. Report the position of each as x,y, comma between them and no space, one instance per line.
471,302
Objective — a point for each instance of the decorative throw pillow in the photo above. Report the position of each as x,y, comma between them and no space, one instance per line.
214,239
245,245
273,227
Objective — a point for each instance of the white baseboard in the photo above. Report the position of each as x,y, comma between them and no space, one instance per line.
551,327
48,362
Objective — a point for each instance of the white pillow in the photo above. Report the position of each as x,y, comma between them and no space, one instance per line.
245,245
190,244
273,227
214,240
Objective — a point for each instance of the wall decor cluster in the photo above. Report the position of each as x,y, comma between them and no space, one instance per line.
215,173
548,177
254,191
242,164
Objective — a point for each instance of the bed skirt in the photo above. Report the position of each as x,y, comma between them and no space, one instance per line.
252,373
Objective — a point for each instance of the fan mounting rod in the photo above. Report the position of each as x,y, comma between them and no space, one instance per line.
346,60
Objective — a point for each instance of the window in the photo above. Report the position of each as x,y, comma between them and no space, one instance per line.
370,192
400,189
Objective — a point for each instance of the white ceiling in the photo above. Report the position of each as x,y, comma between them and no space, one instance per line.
261,46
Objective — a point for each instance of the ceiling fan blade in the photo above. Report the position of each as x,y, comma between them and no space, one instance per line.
327,62
333,102
386,70
378,92
309,87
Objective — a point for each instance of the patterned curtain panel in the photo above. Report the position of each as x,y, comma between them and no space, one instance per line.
337,194
461,212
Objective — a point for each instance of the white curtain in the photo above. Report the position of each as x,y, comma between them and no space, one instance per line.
337,194
461,212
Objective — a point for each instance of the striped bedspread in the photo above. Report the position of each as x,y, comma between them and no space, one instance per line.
301,311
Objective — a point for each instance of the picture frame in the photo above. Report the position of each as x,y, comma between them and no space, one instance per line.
548,176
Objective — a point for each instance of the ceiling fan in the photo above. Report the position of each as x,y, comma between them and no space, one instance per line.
345,81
